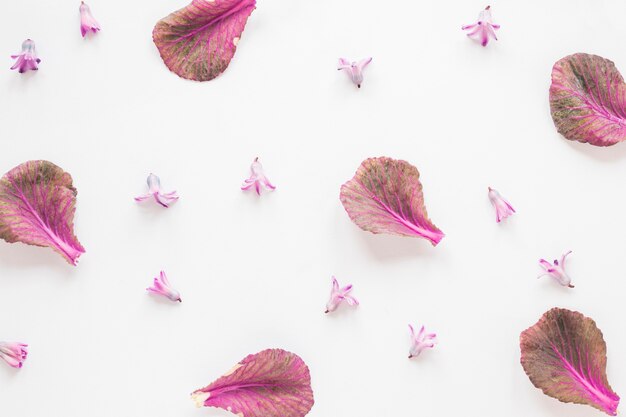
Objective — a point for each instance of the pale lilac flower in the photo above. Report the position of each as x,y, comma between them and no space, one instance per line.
27,60
154,191
483,29
354,69
163,287
87,22
557,270
13,353
257,178
420,341
503,208
339,295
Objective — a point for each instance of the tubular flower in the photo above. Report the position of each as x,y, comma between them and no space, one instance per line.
27,60
354,69
154,191
557,270
13,353
338,296
257,178
87,21
483,29
163,287
503,208
420,341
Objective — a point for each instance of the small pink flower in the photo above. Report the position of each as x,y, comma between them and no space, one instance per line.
27,60
257,178
162,287
503,208
354,69
557,270
154,191
87,22
339,295
13,353
484,28
420,341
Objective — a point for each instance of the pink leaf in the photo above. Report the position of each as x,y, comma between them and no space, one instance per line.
271,383
37,204
564,355
588,100
385,196
198,41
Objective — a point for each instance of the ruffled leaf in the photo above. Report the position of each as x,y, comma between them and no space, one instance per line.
564,355
588,100
198,41
385,196
37,204
271,383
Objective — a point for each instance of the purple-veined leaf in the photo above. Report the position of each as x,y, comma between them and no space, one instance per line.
588,100
37,204
197,42
271,383
564,355
385,196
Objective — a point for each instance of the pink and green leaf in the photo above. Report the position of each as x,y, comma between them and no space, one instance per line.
198,41
564,355
37,204
588,100
271,383
385,196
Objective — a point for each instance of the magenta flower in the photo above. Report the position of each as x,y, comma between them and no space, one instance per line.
27,60
257,178
354,69
420,341
163,287
87,22
338,296
154,191
483,29
503,208
13,353
557,270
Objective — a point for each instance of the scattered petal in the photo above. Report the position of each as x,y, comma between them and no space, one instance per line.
257,178
503,208
197,42
354,69
13,353
385,196
271,383
588,100
564,355
163,287
557,270
339,295
421,341
87,21
37,204
484,29
27,60
154,191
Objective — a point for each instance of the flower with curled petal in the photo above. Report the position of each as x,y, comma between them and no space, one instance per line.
257,178
483,29
420,341
557,270
87,21
339,295
354,69
13,353
154,191
27,60
503,208
163,287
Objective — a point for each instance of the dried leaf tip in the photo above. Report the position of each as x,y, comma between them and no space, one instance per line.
484,29
87,22
257,178
27,60
354,69
162,286
556,270
503,208
13,353
154,191
338,295
421,341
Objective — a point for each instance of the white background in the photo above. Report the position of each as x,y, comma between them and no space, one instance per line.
255,272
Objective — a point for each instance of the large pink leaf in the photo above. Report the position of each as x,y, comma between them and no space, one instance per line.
588,100
37,204
385,196
198,41
271,383
564,355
